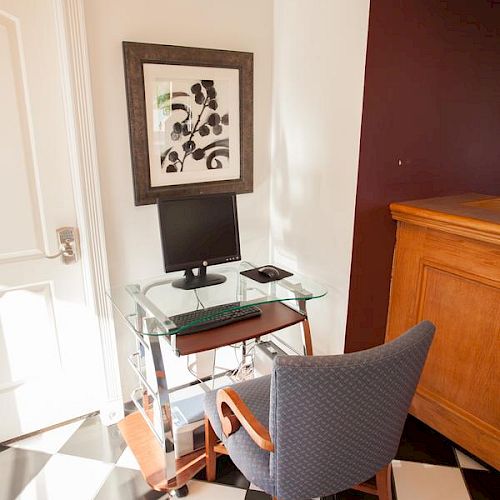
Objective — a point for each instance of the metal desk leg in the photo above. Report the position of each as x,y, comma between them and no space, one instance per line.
152,398
163,416
163,422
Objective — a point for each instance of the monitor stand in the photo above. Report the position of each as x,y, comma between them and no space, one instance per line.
191,281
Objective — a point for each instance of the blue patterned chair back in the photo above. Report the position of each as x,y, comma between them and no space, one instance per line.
336,420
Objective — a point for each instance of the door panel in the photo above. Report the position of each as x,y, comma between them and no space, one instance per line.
21,236
42,357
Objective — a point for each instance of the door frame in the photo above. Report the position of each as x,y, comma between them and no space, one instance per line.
77,94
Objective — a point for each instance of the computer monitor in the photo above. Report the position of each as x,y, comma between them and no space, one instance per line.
198,232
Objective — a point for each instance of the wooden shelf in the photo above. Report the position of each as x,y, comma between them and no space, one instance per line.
151,456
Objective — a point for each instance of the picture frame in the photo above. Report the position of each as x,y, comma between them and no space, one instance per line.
190,113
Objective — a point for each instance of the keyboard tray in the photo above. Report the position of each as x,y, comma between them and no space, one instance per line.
275,316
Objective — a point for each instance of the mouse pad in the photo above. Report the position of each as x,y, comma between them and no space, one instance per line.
261,278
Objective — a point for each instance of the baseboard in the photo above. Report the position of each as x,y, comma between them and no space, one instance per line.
49,428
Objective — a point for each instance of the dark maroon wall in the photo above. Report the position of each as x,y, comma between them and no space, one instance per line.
431,100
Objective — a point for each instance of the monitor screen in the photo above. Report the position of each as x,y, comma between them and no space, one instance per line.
199,230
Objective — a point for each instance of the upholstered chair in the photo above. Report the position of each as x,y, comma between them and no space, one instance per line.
319,425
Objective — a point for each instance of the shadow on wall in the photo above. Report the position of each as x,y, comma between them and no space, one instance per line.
294,209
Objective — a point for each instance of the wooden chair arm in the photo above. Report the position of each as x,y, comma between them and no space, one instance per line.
233,413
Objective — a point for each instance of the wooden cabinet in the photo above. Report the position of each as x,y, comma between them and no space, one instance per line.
447,269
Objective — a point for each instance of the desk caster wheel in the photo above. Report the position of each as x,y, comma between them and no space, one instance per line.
183,491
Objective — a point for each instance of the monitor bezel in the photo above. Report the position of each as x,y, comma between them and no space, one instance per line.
169,267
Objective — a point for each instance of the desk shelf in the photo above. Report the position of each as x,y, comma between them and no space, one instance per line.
275,316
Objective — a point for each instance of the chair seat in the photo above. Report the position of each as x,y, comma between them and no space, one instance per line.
251,460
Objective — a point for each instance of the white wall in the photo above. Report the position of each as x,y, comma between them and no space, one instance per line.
319,61
308,102
132,233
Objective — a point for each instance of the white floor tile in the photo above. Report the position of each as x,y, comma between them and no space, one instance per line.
49,441
128,460
467,462
200,490
417,481
65,477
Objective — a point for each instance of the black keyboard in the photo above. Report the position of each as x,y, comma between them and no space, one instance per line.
212,317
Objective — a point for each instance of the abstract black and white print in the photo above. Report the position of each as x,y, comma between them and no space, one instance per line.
193,124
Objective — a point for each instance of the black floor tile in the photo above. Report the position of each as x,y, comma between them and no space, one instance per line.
257,495
17,468
96,441
227,473
127,484
482,485
420,443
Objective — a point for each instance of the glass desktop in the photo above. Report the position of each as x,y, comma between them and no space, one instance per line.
156,299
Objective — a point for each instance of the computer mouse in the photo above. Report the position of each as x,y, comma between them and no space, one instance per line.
269,271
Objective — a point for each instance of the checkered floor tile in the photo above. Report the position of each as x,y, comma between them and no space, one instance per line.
85,460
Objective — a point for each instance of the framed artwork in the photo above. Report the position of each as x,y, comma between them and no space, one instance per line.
190,116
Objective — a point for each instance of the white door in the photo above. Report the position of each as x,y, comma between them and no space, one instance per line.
50,365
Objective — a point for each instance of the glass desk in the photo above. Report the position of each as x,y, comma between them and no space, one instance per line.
152,429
